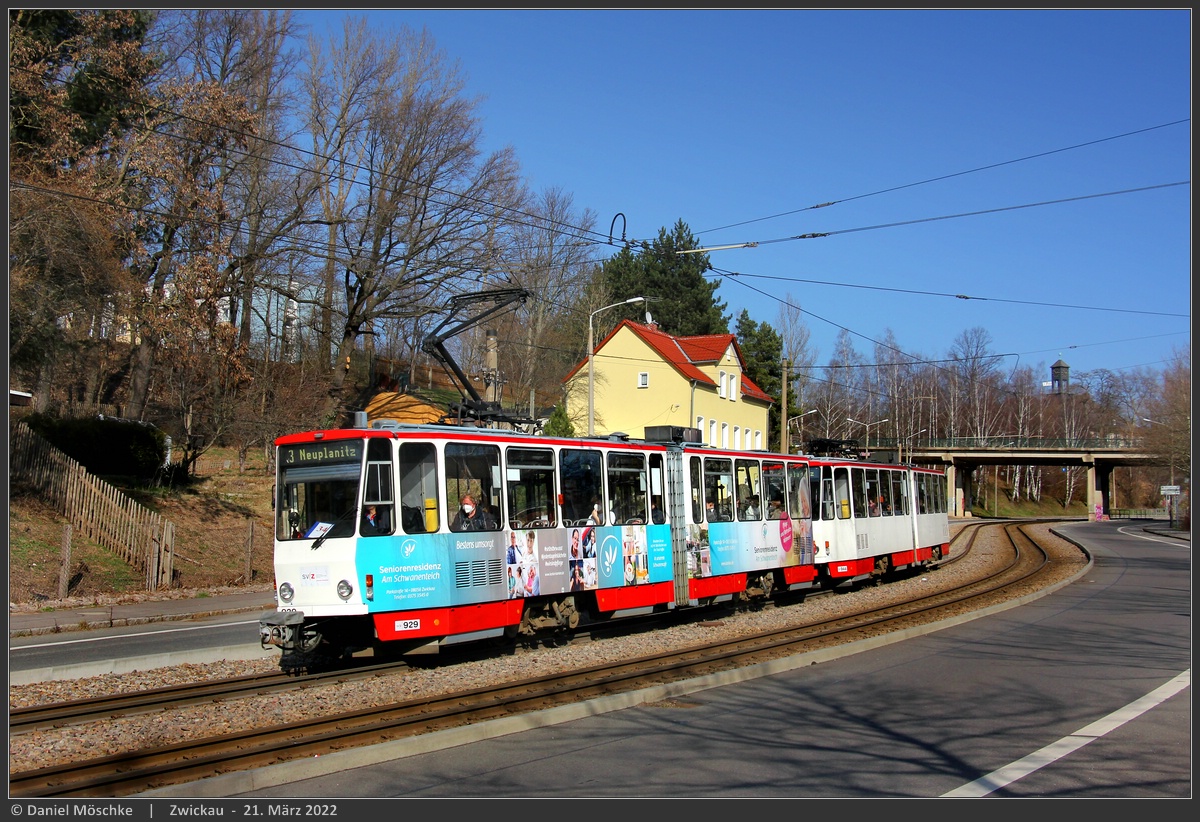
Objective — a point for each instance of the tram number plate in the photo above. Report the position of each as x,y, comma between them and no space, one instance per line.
408,625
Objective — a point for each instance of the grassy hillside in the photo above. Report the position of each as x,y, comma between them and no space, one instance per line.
223,522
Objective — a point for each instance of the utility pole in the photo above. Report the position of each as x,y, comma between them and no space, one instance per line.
785,447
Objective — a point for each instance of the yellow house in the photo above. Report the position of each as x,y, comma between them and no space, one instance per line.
646,377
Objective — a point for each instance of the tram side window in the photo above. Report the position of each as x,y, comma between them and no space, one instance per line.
922,493
748,485
473,469
841,491
696,490
531,496
799,501
900,492
775,490
627,488
873,493
718,493
885,493
418,488
658,497
377,515
581,474
859,490
940,497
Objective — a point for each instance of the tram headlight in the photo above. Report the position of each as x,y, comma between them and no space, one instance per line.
345,589
286,592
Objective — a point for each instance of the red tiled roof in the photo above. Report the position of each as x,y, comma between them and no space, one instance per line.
684,352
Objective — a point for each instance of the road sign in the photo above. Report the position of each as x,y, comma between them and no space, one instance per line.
1169,490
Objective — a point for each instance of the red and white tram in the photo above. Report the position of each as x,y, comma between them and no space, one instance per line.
872,518
373,548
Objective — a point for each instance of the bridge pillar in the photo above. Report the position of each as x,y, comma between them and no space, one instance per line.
1099,485
958,482
952,503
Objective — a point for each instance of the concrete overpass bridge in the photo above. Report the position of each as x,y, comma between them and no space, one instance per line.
961,455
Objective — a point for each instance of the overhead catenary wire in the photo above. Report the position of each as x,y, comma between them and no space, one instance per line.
556,225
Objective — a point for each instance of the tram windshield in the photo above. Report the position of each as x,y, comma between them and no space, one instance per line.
317,489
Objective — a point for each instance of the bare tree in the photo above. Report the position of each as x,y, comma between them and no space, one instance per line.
551,255
269,193
797,350
268,188
1025,419
417,205
170,183
977,376
76,83
835,397
1169,432
341,80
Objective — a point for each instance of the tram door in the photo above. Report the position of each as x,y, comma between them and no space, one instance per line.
834,533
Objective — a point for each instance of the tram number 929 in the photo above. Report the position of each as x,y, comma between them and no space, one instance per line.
408,625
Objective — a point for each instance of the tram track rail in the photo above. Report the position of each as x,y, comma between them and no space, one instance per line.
61,714
144,769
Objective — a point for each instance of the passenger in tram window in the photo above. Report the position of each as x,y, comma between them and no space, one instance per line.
874,506
656,514
776,509
472,518
375,522
595,517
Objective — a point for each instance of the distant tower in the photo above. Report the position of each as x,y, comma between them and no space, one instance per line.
1060,377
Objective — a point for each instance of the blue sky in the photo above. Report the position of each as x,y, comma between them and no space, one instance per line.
1037,161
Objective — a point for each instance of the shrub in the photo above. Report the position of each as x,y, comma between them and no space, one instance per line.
106,446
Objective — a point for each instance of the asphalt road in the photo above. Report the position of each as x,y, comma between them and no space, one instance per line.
1082,693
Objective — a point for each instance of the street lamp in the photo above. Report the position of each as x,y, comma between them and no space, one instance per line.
788,446
909,439
591,364
867,425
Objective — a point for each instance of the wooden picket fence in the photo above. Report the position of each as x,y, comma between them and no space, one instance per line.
94,508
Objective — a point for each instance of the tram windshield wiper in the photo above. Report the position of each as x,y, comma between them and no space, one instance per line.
321,539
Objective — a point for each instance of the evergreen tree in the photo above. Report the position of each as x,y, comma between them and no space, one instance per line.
682,301
92,60
762,351
559,424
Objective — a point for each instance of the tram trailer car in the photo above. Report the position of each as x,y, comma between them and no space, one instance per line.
871,519
373,548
